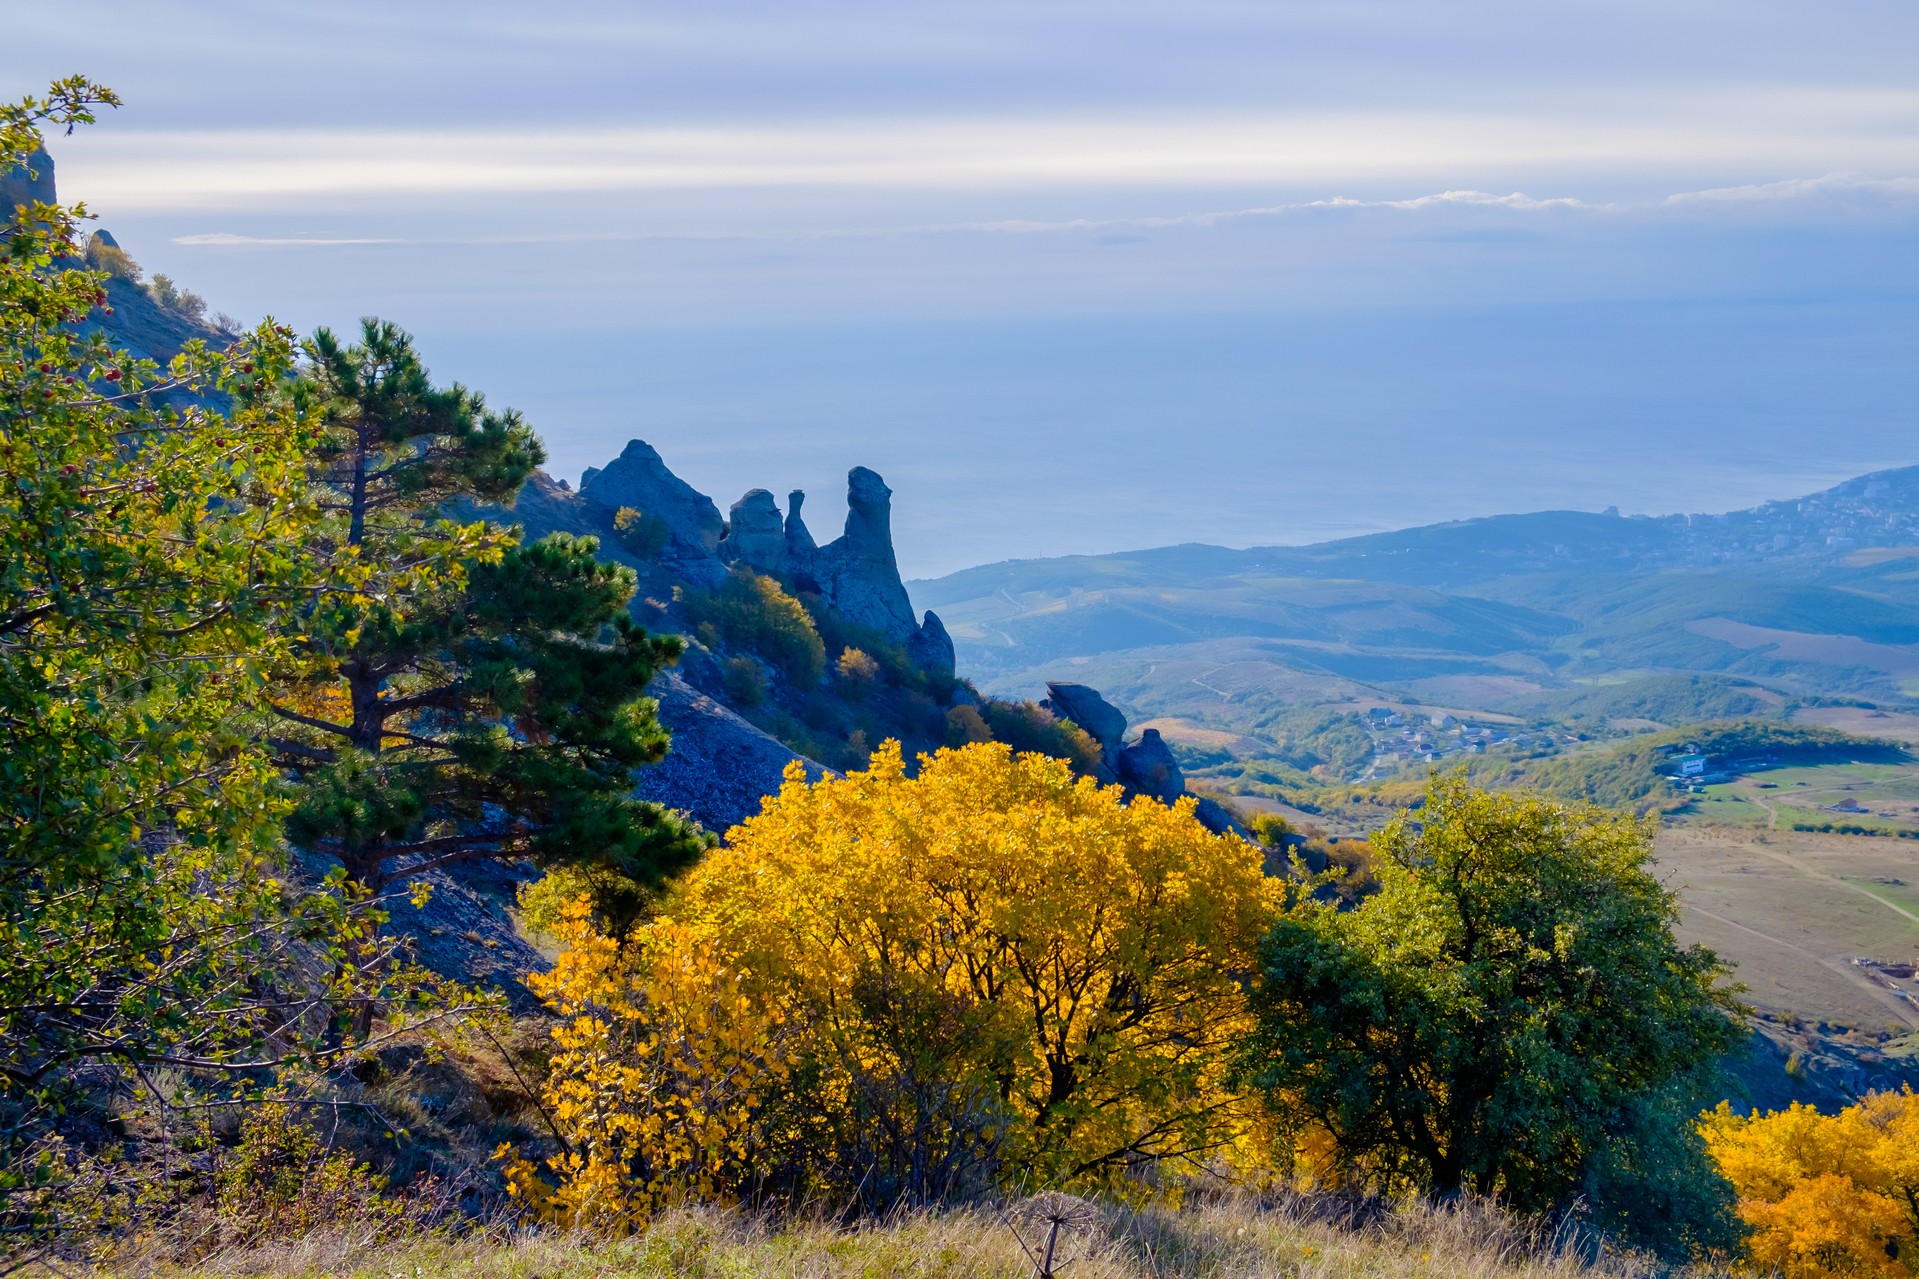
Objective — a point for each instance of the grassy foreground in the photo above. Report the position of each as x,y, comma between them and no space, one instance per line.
1232,1240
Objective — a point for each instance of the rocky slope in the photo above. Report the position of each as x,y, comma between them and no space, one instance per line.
730,750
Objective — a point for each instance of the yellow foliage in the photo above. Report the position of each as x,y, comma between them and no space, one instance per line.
857,666
1826,1195
1091,947
858,671
993,966
658,1059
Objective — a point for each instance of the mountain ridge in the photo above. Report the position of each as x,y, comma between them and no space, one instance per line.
1548,615
1678,535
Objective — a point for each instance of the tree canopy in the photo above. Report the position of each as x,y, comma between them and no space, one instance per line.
1509,1014
1826,1195
154,567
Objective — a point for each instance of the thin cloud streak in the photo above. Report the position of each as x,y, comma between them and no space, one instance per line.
227,238
1800,190
148,171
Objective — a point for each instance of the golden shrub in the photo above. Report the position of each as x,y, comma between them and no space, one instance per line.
857,671
1826,1195
654,1079
896,986
1092,946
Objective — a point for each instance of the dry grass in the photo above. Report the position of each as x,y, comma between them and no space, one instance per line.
1791,909
1238,1239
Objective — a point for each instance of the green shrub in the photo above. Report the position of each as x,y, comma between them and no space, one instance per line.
182,302
1027,726
283,1182
964,725
1271,829
840,633
643,535
1549,923
745,682
755,613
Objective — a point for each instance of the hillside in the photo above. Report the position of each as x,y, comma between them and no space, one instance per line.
1592,622
331,715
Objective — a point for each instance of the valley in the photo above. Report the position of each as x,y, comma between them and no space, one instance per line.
1572,654
1559,627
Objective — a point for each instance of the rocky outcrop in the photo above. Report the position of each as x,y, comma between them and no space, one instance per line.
857,572
720,767
639,478
930,649
755,534
1146,767
18,186
800,546
1100,719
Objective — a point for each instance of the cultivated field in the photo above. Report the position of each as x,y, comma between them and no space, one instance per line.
1792,911
1876,796
1866,721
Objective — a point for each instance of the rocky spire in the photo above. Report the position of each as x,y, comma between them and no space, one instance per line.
638,478
799,539
857,571
755,534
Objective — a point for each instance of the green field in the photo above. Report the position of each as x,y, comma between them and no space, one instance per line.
1886,797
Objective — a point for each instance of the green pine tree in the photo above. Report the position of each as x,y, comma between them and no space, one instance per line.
483,698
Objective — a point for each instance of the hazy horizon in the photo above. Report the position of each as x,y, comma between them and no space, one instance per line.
1073,277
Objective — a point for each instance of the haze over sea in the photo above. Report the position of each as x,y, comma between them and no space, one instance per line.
1073,277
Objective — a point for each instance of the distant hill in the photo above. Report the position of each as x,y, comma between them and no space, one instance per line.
1604,623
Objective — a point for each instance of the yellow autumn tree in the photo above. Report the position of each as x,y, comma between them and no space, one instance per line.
992,970
1826,1195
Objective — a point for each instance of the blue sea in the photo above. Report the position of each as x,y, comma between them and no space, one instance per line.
1007,439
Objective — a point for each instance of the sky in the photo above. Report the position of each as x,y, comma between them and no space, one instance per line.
1074,276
